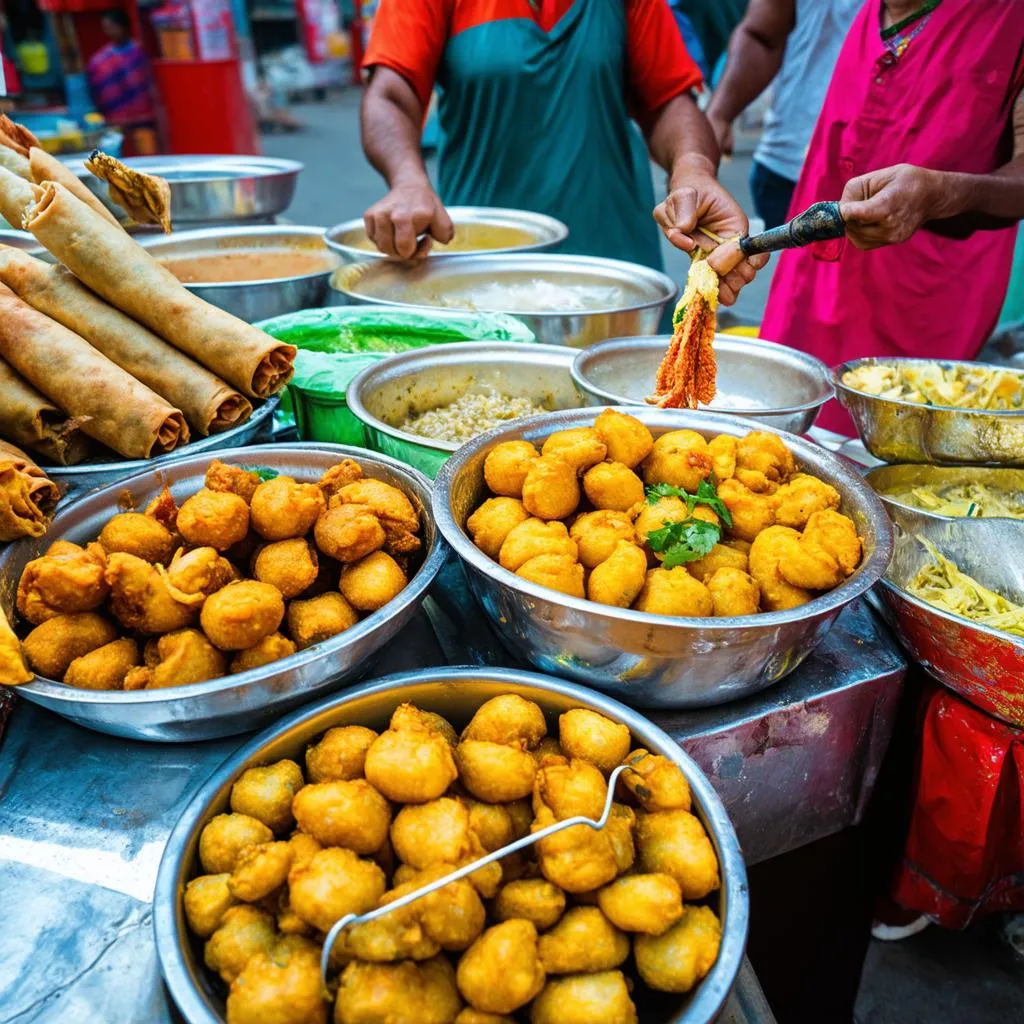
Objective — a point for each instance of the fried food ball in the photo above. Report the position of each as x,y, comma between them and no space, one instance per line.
340,754
548,751
452,916
614,486
391,506
398,935
241,614
231,479
486,880
597,533
649,903
470,1016
372,582
619,578
667,509
303,848
772,549
67,579
763,456
721,556
408,716
139,535
243,932
288,565
521,811
584,940
342,812
491,824
53,645
556,572
506,465
344,473
184,657
495,772
501,971
619,829
105,667
722,450
674,592
141,598
263,652
436,832
206,900
225,836
675,843
751,513
682,956
798,562
835,534
585,999
402,993
281,508
493,521
627,439
535,537
260,870
550,490
679,458
580,447
533,899
281,986
733,593
656,783
318,618
507,718
164,509
799,499
573,788
194,575
215,519
410,765
577,859
349,532
332,883
266,793
590,737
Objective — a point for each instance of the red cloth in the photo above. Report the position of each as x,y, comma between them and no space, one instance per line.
964,856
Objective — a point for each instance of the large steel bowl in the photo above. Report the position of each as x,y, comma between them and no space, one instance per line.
456,694
383,395
25,241
480,229
898,431
889,481
985,666
641,296
253,300
757,380
653,660
248,700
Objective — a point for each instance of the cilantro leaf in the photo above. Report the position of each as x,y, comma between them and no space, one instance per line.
657,491
707,494
684,541
263,472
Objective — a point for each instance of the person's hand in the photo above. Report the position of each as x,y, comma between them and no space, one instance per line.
723,133
395,223
887,206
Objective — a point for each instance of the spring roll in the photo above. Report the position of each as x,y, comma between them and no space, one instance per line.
48,168
210,406
16,195
31,420
13,664
116,267
27,495
114,407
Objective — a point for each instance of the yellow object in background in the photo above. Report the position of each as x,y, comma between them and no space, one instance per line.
744,332
33,58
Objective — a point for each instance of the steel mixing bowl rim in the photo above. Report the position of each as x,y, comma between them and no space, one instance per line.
870,571
413,591
821,372
888,499
708,998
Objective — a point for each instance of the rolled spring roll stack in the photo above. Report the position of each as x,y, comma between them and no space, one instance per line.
27,495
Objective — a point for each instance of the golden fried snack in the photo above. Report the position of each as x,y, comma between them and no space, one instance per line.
391,506
470,1016
577,859
583,940
619,829
452,916
231,479
372,582
408,716
105,667
835,533
581,447
506,465
412,764
677,960
627,439
799,499
183,657
288,922
341,475
206,900
141,598
194,575
597,533
763,461
491,824
679,458
281,986
243,932
495,772
260,870
533,899
398,935
303,848
402,993
436,832
492,522
333,883
548,752
53,645
137,534
733,592
486,880
590,737
649,903
501,971
507,718
164,509
570,788
341,812
65,580
674,592
225,836
722,450
521,811
772,549
550,490
340,754
721,556
613,486
289,565
534,537
556,572
657,783
349,532
620,577
270,648
585,999
241,614
282,509
751,513
215,519
266,793
667,509
675,843
318,618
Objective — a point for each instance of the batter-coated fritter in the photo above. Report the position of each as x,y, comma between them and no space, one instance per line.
835,533
141,598
344,473
721,556
105,667
533,899
372,582
556,572
436,832
722,449
677,960
614,486
194,575
490,823
281,986
290,566
551,490
627,439
184,657
215,519
243,932
225,836
241,614
139,535
410,765
340,754
343,813
679,458
270,648
206,900
570,789
649,903
281,508
501,971
582,942
771,550
260,870
492,522
593,738
675,843
319,618
395,511
763,457
667,509
580,447
620,577
506,465
65,580
54,644
751,513
733,592
508,718
266,793
577,859
655,782
349,532
495,772
597,533
333,883
233,479
674,592
402,993
799,499
585,999
534,537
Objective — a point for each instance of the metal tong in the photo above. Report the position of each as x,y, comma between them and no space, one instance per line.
821,222
468,869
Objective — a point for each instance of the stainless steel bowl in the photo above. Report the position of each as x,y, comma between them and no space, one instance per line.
248,700
896,431
653,660
888,479
253,300
383,395
349,239
640,297
213,189
757,380
455,693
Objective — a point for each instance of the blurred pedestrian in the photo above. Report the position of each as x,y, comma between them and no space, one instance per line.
119,75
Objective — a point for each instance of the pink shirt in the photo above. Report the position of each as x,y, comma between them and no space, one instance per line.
945,104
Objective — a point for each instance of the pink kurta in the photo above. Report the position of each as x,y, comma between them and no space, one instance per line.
945,104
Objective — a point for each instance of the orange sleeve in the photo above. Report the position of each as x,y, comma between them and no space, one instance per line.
408,36
659,66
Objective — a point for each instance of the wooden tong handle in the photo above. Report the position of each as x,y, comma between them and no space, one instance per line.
821,222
